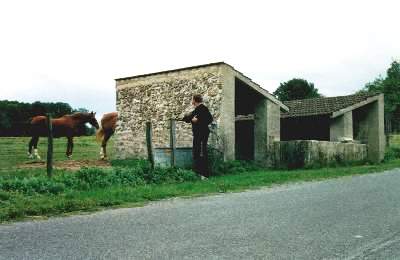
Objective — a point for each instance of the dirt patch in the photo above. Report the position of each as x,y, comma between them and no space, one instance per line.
67,165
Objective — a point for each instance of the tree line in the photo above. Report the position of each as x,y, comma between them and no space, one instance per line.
15,116
388,84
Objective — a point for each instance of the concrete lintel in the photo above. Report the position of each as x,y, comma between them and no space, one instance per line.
360,104
244,117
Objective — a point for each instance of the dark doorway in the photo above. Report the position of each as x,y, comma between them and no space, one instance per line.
246,100
305,128
244,140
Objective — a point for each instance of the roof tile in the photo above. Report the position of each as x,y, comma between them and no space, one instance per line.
322,105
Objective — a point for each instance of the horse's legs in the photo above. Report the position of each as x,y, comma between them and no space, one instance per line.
30,147
70,145
35,150
103,153
33,143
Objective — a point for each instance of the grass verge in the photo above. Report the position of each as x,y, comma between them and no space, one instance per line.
17,205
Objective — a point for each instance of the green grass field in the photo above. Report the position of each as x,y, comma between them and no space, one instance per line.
13,150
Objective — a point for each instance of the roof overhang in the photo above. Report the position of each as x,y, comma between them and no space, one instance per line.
355,106
259,89
170,71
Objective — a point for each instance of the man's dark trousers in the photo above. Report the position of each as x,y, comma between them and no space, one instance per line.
200,138
200,153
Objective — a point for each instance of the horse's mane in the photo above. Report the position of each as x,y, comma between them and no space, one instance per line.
80,115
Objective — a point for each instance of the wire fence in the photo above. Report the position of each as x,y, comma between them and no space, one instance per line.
14,151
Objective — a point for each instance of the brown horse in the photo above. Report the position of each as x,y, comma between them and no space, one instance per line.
108,123
65,126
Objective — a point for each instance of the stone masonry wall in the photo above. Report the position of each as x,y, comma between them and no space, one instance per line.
158,98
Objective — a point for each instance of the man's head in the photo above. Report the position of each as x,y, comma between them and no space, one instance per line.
197,100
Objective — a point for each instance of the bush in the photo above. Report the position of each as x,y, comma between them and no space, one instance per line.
90,177
4,196
392,153
32,185
233,167
100,177
142,169
123,173
93,176
219,167
133,163
128,176
171,175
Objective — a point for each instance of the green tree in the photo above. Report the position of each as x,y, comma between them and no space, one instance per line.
374,86
390,87
296,89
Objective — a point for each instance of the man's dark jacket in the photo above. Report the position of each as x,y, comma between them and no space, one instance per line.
204,119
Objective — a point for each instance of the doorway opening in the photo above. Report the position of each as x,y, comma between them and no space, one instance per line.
246,100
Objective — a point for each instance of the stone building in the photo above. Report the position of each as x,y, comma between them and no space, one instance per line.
358,117
246,116
249,123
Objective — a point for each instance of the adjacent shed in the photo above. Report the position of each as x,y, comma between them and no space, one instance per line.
358,117
246,116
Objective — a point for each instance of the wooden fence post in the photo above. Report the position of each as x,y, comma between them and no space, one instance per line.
172,139
150,153
49,147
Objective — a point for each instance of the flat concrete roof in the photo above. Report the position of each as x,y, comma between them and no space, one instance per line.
174,70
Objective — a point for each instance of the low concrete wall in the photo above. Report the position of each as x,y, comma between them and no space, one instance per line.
308,153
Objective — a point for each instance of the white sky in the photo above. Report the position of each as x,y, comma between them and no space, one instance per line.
71,51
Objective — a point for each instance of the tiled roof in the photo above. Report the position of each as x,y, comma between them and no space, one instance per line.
323,105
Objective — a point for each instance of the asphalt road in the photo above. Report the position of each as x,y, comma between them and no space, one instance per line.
347,218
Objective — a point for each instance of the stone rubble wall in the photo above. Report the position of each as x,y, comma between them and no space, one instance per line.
158,98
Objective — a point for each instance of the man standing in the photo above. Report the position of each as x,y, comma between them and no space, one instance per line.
200,118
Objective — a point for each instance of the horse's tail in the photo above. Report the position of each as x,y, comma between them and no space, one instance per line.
100,134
